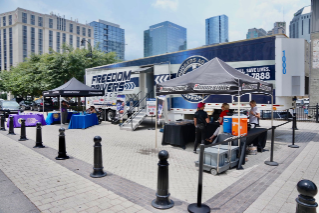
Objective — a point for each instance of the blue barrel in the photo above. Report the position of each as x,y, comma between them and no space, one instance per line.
227,124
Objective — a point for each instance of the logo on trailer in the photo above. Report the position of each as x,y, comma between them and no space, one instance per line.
187,66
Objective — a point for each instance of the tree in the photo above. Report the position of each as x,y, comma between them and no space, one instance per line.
48,71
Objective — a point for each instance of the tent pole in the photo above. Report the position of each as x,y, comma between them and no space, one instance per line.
272,111
239,88
43,103
60,111
156,123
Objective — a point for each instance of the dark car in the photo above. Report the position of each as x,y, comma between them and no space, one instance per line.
11,107
26,104
18,100
38,105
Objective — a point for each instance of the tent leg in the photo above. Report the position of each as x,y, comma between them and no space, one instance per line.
272,110
61,112
156,124
43,104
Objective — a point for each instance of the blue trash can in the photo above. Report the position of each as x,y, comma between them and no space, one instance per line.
227,124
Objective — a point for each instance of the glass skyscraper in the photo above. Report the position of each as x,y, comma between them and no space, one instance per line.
255,33
163,38
109,37
217,29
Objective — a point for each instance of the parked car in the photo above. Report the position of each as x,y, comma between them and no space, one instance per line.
38,105
299,103
11,107
26,104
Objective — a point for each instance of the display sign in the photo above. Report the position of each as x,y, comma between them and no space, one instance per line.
151,106
261,72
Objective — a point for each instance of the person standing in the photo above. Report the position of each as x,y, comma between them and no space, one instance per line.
200,122
64,112
254,114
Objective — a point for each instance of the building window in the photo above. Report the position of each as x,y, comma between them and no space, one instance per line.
71,41
78,30
33,39
25,42
24,18
63,39
83,31
89,43
5,48
309,26
78,42
71,28
302,27
50,23
40,35
10,47
40,21
33,19
50,41
89,32
58,41
4,21
10,19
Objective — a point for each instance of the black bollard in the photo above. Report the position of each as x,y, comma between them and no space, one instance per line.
3,119
38,141
162,200
23,136
62,149
199,207
271,162
11,129
98,162
306,201
294,121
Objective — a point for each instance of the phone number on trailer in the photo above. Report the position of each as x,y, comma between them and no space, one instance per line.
262,73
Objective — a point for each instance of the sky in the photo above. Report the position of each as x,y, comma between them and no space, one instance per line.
135,16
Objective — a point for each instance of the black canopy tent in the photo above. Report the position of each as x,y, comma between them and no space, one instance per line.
72,88
216,77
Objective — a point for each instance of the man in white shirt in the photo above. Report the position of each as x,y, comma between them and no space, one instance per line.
254,114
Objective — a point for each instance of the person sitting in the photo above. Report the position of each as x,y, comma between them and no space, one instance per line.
92,110
225,110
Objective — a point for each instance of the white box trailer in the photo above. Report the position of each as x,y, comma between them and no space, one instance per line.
277,59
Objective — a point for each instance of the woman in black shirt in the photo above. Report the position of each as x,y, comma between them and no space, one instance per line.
200,122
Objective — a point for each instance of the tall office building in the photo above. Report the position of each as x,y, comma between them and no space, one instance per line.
255,33
300,25
217,29
109,37
164,37
279,28
23,32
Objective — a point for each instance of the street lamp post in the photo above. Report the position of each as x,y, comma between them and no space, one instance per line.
83,44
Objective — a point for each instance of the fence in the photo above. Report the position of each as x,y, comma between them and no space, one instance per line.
306,114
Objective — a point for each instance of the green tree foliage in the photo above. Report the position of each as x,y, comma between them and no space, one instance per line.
48,71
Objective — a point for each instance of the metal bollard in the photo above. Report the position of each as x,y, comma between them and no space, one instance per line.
11,129
306,201
3,119
23,136
38,141
293,132
271,162
294,121
98,162
162,200
62,149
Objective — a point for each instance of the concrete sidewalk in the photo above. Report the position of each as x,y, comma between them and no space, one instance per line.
130,159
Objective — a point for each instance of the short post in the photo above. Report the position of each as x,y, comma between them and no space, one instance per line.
38,141
288,114
317,109
3,118
199,207
294,121
98,162
271,162
305,200
262,114
23,136
162,200
62,149
11,129
293,132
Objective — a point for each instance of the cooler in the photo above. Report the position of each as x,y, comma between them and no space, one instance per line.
243,125
227,124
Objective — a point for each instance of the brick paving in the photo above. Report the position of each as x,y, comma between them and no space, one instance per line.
130,159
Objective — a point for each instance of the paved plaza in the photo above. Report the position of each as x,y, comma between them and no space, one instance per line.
42,184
